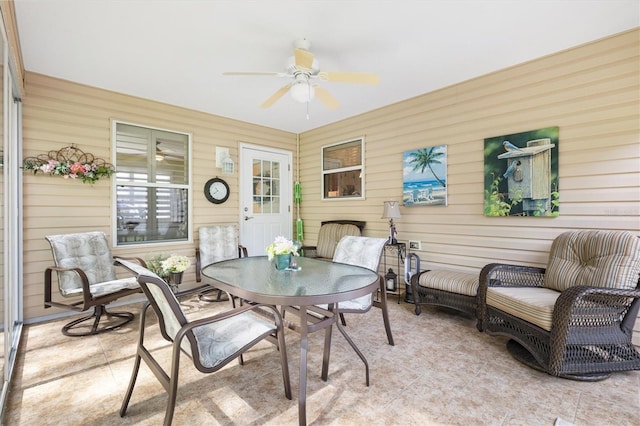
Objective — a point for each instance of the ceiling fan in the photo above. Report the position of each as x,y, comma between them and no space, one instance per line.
302,68
168,151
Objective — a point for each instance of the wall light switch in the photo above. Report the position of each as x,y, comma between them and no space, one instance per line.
415,245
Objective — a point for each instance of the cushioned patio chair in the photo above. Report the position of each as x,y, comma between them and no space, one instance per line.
365,252
574,318
331,232
211,342
87,280
217,243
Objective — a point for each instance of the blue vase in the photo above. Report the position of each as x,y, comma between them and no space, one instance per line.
282,261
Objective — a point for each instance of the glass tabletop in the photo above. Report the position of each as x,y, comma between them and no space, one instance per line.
317,281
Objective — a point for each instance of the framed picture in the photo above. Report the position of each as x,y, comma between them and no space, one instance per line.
521,174
425,176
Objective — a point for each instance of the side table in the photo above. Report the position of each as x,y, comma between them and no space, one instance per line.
398,250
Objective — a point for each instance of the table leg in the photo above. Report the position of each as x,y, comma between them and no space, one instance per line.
327,348
302,386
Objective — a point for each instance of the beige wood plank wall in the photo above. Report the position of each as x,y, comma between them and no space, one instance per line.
591,92
59,113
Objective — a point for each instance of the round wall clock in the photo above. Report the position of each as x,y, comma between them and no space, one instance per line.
216,190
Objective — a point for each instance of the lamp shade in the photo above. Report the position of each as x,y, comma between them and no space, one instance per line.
302,91
391,210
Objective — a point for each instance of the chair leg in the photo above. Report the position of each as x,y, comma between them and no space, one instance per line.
136,364
355,348
205,295
172,386
99,312
132,383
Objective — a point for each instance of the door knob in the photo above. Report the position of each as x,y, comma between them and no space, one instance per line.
247,217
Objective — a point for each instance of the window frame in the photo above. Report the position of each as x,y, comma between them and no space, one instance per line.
361,167
115,183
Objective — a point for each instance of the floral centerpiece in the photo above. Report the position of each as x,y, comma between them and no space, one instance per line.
281,249
281,245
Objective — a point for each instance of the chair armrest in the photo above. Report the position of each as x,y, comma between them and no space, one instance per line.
611,306
309,251
137,259
86,291
222,316
601,313
505,275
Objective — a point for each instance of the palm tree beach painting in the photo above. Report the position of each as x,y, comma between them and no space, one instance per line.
425,176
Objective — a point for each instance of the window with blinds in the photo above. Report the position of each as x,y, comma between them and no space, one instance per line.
343,170
152,185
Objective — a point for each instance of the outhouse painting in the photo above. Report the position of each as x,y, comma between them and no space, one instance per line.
521,174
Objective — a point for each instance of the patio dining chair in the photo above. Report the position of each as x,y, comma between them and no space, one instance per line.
365,252
210,342
217,243
87,279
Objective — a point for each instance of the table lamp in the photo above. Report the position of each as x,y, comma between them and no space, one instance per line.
391,211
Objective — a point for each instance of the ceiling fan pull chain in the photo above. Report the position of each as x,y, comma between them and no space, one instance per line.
309,96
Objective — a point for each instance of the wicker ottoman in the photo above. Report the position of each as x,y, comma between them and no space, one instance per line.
452,289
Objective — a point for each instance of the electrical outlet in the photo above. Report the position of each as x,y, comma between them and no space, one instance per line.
415,245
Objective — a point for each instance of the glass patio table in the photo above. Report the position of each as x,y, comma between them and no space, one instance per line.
317,282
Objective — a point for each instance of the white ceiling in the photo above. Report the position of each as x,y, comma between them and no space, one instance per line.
175,51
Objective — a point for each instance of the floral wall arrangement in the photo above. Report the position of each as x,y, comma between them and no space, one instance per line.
71,163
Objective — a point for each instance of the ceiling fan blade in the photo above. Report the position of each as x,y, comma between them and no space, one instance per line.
304,59
326,98
273,98
350,77
254,73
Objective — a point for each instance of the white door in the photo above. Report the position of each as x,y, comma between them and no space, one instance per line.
265,197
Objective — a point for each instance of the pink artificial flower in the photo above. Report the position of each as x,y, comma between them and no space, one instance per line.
49,166
76,168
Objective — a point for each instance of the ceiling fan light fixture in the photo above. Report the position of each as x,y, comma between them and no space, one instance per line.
302,92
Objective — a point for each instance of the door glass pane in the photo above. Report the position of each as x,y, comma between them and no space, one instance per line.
266,187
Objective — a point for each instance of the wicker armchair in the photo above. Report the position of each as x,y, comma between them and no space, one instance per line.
574,318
